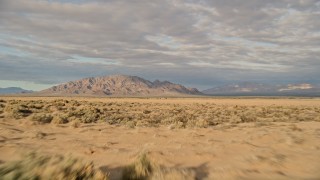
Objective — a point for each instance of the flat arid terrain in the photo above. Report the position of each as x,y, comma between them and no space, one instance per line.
160,138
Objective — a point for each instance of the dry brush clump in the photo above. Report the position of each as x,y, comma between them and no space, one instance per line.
144,169
132,114
17,109
41,118
2,106
41,166
36,166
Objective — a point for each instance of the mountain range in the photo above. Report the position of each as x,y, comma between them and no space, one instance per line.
124,85
120,85
260,89
13,90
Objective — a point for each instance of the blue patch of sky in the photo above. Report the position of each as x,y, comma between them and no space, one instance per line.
12,51
243,41
28,38
91,60
165,41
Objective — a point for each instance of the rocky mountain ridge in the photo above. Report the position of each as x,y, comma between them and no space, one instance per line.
120,85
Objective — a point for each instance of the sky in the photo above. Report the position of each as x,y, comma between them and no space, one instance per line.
202,44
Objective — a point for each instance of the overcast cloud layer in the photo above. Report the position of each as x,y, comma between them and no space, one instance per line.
196,43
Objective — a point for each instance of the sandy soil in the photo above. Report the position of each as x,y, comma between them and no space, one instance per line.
276,150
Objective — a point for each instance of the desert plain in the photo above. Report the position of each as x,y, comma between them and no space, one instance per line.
167,138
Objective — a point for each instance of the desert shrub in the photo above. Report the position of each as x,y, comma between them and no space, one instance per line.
142,123
2,106
131,124
41,118
117,118
35,166
59,102
86,114
36,106
147,111
89,117
59,119
76,123
18,111
201,123
248,117
307,116
143,169
2,101
181,120
74,103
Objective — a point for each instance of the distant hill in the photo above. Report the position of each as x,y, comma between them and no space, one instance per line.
13,90
119,85
259,89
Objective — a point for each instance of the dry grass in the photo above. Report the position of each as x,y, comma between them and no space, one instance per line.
35,166
39,166
147,114
41,118
140,169
144,169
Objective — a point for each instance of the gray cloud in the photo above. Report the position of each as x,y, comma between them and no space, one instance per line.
200,43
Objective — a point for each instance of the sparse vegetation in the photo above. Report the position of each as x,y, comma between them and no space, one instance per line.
17,109
75,124
41,118
36,166
2,106
141,169
40,166
134,114
59,119
48,125
144,169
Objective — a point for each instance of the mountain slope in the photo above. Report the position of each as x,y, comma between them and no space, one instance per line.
13,90
248,88
119,85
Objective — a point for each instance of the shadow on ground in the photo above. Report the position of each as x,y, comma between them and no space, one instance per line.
200,172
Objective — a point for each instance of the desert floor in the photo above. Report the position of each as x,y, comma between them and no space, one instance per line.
245,150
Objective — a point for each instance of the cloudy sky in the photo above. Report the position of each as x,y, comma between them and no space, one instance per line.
198,43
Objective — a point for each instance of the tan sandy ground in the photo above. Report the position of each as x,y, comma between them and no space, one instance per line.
276,150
